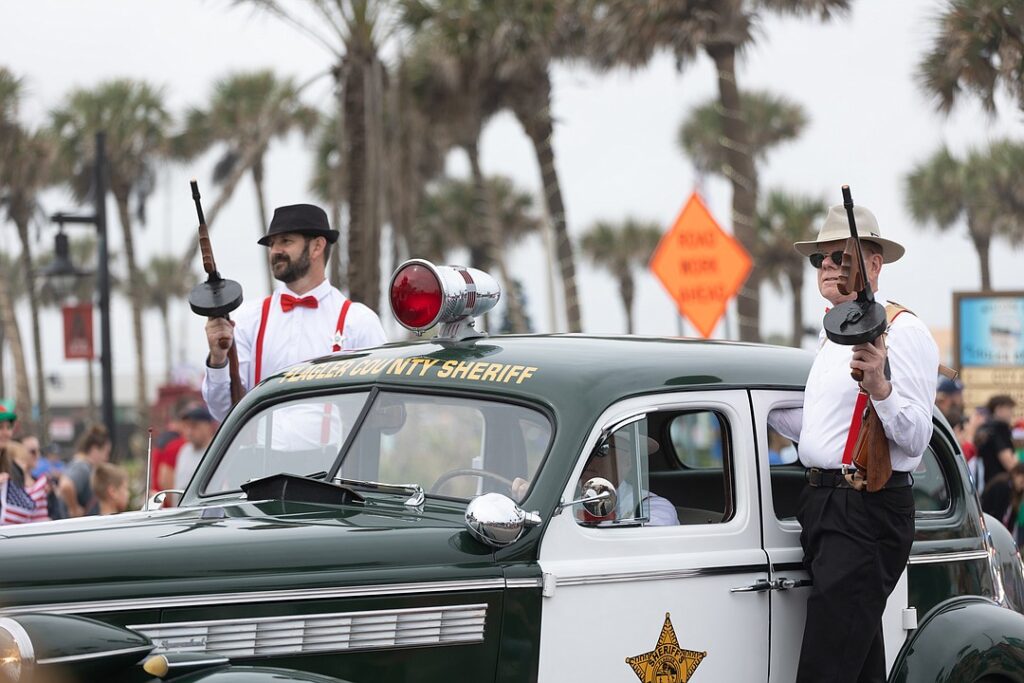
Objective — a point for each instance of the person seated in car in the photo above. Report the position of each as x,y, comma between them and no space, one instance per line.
615,461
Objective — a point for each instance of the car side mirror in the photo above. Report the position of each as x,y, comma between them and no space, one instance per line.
156,501
598,498
495,520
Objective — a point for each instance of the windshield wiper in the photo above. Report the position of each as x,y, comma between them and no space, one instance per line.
415,491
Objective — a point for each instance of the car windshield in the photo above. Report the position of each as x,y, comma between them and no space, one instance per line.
451,446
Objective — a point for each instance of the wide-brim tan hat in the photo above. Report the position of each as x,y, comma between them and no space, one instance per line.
837,227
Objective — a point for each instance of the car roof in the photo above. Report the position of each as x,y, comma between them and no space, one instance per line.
559,366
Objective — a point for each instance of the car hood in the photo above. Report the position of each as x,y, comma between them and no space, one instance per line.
235,547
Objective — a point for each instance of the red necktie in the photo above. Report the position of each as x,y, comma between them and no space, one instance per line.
288,302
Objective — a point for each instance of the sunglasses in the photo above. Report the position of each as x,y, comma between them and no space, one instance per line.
818,259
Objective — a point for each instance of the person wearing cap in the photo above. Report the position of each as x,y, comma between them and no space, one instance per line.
199,426
8,421
856,544
949,399
304,318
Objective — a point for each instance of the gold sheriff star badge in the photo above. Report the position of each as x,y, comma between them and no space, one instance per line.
667,662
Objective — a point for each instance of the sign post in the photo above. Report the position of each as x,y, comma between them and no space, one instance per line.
988,345
700,265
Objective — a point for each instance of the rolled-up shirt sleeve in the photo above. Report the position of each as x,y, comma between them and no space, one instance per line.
787,422
217,381
906,414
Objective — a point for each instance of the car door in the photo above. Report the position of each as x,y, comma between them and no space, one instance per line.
781,481
628,599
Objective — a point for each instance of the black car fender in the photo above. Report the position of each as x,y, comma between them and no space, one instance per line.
963,640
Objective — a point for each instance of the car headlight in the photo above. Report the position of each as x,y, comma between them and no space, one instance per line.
17,657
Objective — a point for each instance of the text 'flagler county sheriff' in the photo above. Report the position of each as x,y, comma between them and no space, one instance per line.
476,371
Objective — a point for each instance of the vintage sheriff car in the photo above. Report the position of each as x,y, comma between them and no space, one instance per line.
472,508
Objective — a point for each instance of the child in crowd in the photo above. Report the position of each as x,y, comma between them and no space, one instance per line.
110,486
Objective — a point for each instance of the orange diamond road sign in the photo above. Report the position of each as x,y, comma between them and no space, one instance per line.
700,265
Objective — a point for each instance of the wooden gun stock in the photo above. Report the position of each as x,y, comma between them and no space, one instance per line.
851,278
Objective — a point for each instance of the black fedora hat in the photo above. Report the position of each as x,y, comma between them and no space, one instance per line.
301,218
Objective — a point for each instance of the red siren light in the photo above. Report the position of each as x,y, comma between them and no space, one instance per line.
423,295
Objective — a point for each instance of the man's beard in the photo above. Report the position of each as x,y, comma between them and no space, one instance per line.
293,270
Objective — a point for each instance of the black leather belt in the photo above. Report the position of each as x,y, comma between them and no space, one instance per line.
836,479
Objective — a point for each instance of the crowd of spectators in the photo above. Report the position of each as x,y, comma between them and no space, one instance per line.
992,440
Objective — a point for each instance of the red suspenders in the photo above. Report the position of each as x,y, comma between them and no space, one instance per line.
258,358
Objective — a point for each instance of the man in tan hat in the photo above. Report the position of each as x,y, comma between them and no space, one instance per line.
856,543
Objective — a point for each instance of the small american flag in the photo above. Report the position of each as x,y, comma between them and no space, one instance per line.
18,506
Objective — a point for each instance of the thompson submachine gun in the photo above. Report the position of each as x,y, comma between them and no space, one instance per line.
863,319
216,297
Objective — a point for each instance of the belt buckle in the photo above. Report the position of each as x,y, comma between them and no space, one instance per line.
854,477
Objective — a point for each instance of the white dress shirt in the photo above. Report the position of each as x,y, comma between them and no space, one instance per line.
185,466
822,425
289,338
659,511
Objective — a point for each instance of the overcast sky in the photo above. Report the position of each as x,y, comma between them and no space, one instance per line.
615,141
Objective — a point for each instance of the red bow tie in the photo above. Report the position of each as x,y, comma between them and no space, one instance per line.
288,302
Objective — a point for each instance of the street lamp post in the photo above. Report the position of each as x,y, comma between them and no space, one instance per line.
63,267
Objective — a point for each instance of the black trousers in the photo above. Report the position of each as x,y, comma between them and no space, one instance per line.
856,545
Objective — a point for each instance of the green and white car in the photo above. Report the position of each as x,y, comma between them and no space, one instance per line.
425,511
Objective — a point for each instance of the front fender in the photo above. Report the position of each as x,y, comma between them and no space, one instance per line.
252,674
962,640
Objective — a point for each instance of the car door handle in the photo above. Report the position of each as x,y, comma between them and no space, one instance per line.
759,586
783,584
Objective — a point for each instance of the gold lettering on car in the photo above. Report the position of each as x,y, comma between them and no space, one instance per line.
667,662
417,366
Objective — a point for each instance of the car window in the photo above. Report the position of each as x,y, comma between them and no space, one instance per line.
451,446
302,436
786,474
679,463
931,490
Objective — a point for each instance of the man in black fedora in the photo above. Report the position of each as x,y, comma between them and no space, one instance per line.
304,318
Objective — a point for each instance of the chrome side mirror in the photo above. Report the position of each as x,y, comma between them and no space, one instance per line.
157,499
598,497
495,520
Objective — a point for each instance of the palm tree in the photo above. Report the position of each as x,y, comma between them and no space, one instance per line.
454,70
447,219
133,115
351,31
985,189
165,282
239,106
629,33
622,249
26,164
11,276
771,120
784,219
26,172
979,48
328,184
536,32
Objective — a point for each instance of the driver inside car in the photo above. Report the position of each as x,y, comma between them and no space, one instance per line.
615,462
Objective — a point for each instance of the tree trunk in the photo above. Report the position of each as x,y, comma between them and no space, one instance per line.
490,233
981,245
796,286
354,114
540,130
335,272
374,112
90,371
165,318
626,291
743,177
135,297
261,204
22,395
37,342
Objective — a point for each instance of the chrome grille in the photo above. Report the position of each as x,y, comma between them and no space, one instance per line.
287,635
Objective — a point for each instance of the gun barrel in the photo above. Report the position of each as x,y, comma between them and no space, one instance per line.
196,196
